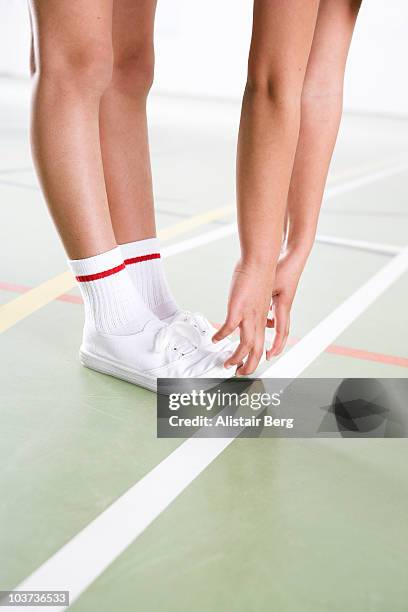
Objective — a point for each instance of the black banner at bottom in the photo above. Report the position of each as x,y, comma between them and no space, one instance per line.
282,408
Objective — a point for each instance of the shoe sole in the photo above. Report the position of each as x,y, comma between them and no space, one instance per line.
105,366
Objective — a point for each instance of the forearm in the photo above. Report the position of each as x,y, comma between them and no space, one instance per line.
322,98
281,41
318,132
266,148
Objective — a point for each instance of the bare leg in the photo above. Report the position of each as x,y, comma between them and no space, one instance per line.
73,67
322,101
281,41
123,122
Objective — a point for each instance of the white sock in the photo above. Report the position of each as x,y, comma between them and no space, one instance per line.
112,303
145,267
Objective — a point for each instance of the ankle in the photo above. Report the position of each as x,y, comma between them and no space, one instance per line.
112,303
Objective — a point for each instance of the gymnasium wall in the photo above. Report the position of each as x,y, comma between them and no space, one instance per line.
202,45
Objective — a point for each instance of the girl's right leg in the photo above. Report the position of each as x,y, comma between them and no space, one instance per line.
73,67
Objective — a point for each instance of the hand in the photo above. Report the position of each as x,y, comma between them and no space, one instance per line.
248,307
288,271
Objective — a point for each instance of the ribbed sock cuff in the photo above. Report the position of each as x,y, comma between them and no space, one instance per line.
97,266
143,261
112,302
139,248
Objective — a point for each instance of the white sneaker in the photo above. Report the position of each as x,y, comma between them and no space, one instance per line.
205,329
158,351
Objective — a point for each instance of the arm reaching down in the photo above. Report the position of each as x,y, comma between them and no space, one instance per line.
281,40
280,189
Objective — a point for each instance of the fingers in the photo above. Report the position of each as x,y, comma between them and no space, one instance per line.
250,348
282,319
245,346
225,330
253,360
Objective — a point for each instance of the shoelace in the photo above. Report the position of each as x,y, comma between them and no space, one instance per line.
196,319
172,338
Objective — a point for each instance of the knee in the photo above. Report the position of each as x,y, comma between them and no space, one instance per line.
280,94
87,69
277,87
133,73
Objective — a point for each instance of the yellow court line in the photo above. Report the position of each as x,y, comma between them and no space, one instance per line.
194,222
21,307
24,305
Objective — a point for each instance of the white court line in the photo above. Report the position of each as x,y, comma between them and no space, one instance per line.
331,192
367,179
362,169
316,341
231,228
77,564
200,240
360,245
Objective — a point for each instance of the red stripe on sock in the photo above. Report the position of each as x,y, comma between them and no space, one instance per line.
135,260
91,277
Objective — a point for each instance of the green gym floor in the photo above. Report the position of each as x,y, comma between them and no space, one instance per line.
271,524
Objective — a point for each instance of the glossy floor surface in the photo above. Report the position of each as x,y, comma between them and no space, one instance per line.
288,525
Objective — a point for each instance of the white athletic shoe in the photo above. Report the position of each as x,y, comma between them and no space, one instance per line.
205,329
158,351
199,324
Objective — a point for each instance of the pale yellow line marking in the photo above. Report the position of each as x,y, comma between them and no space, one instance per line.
194,222
24,305
21,307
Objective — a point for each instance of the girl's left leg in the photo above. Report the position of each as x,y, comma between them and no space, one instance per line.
123,122
125,151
